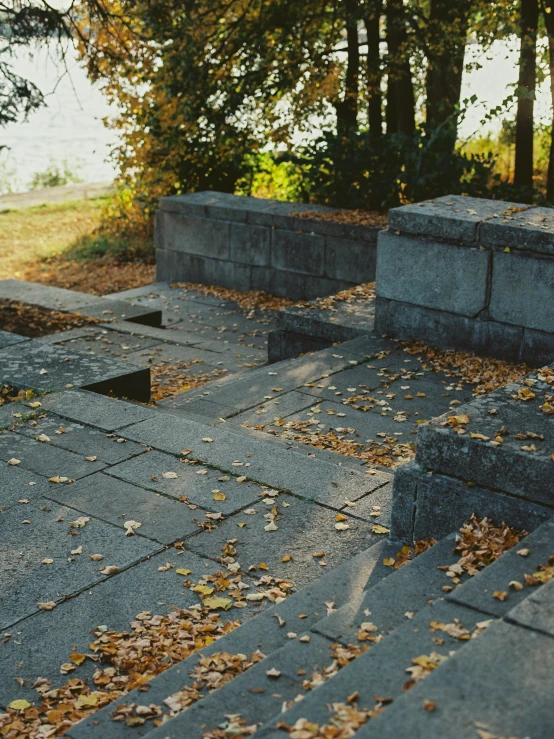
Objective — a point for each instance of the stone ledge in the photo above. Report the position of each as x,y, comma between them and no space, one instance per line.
522,467
49,367
71,301
453,217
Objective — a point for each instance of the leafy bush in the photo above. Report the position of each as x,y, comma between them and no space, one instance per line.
54,176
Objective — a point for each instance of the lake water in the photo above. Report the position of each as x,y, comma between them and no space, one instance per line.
71,127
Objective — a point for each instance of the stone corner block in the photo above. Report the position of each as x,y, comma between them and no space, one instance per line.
432,274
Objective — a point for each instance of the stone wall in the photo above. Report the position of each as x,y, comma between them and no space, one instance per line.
469,274
493,456
248,243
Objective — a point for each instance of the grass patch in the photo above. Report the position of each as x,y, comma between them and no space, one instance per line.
62,244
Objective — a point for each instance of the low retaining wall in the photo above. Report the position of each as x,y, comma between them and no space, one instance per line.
248,243
493,457
469,274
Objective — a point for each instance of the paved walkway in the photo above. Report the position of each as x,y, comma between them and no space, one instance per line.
224,497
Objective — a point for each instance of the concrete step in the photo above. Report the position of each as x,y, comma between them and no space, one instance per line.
263,632
72,301
382,671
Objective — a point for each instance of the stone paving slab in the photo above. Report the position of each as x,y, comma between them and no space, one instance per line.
45,459
112,500
26,581
197,483
36,365
102,342
263,632
83,440
536,611
13,413
496,681
92,409
122,311
259,460
382,669
72,301
8,339
266,413
303,529
113,601
477,592
15,486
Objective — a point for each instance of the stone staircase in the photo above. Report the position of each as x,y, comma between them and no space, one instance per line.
447,654
478,660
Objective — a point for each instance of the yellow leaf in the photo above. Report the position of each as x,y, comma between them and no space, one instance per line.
219,496
86,700
19,705
217,602
263,566
36,404
203,589
378,529
77,658
389,561
286,558
500,594
340,517
183,571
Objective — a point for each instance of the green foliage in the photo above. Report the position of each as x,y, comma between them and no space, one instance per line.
54,175
365,173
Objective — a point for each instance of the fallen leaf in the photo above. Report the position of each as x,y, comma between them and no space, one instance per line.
218,495
13,461
389,561
184,571
43,437
47,561
169,475
500,594
109,570
79,550
342,526
77,658
19,705
91,459
272,527
378,529
216,602
273,673
97,557
429,705
130,527
47,605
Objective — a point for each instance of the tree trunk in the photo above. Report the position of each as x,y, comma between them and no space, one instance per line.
549,23
523,176
347,108
446,42
400,89
374,73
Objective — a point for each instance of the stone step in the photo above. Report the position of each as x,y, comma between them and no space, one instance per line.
381,670
497,686
47,368
262,632
72,301
245,390
386,600
258,459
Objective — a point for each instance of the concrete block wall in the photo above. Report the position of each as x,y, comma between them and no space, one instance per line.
469,274
248,243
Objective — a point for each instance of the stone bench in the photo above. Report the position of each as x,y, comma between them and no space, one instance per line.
247,243
493,456
469,274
